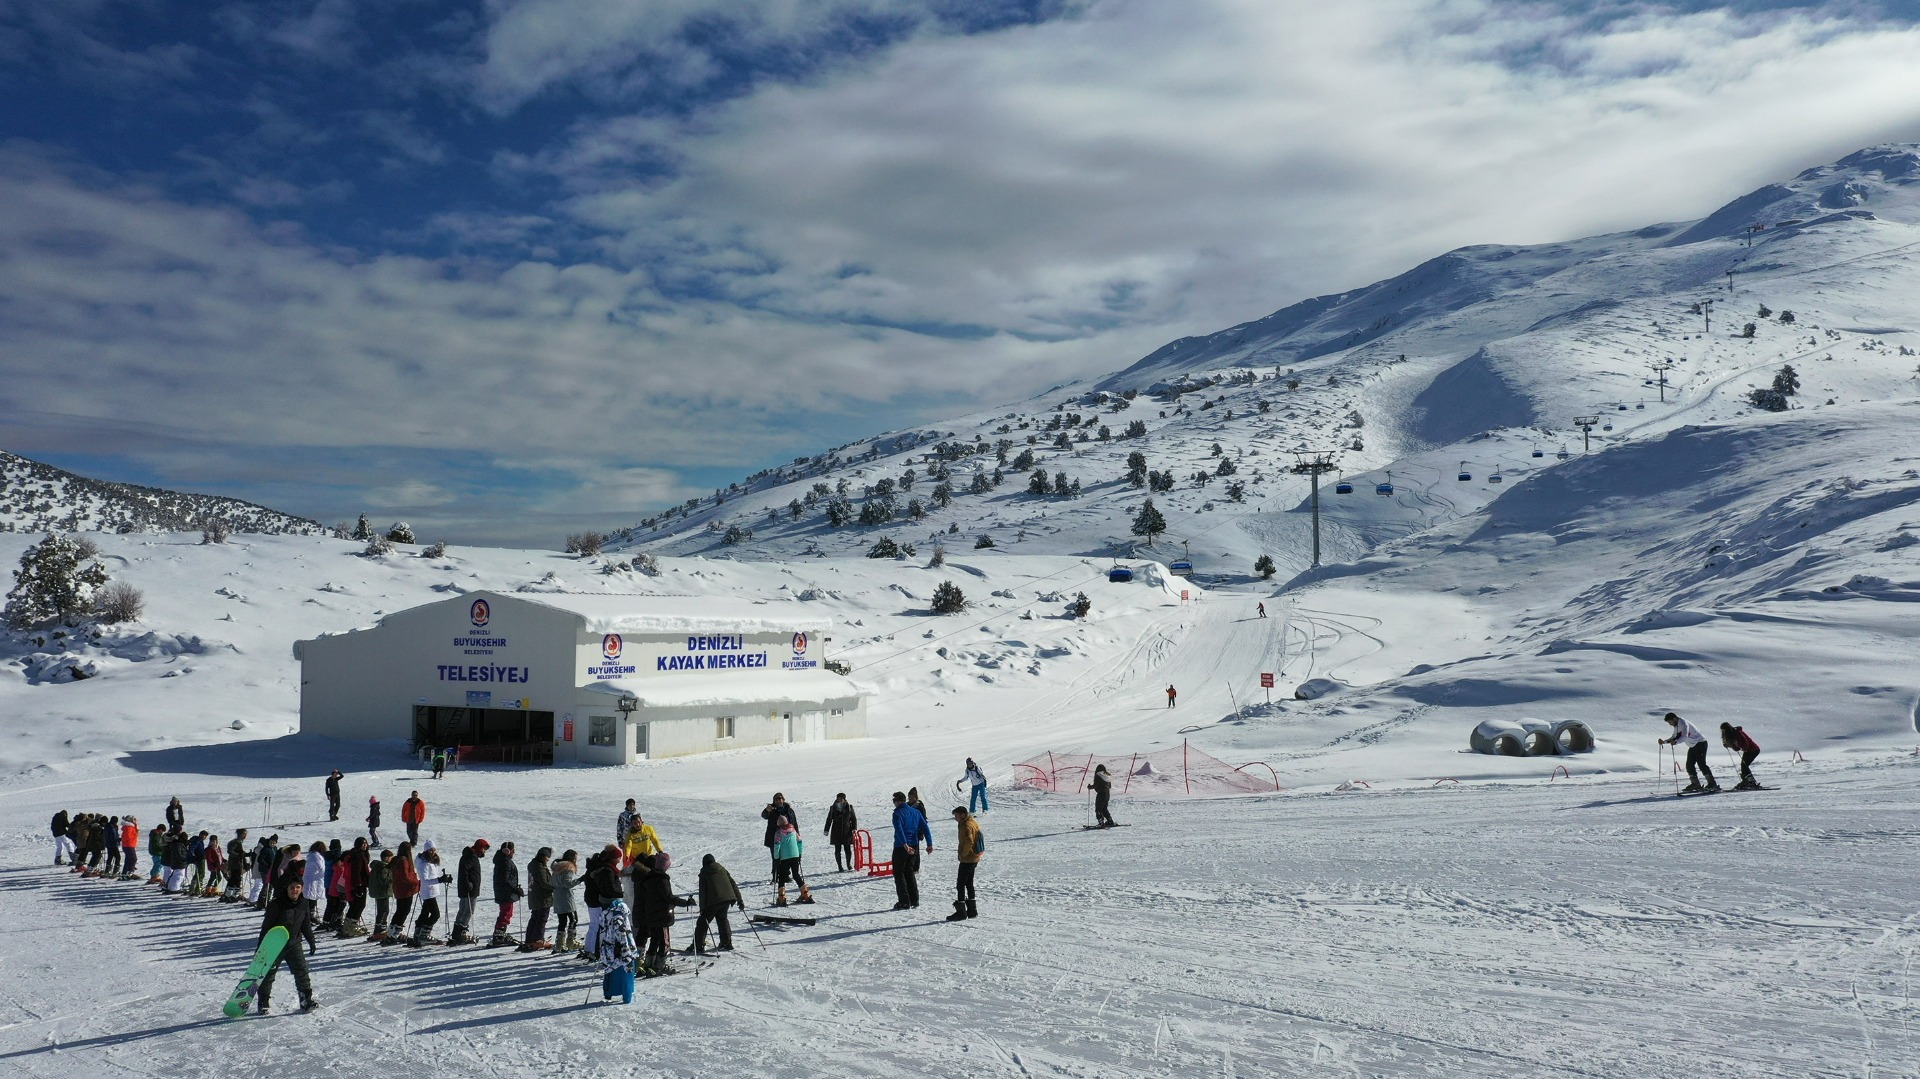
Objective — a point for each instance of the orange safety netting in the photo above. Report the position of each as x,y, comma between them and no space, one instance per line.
1181,770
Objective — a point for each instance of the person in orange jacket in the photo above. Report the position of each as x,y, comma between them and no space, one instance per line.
413,813
129,847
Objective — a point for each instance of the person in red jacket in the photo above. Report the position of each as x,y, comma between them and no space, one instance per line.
1738,740
413,812
406,885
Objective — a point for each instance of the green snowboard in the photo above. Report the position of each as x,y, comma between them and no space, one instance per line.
264,957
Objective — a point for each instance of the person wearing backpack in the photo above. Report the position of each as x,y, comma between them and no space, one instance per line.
1738,740
972,844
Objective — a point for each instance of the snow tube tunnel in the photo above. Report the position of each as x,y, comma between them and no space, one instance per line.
1532,738
1499,739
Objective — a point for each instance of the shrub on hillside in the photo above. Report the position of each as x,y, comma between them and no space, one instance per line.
118,602
948,599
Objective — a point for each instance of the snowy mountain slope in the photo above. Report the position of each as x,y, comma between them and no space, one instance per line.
38,498
1506,341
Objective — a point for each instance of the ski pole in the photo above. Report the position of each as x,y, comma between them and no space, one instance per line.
756,931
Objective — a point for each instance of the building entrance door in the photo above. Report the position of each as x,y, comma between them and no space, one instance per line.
816,723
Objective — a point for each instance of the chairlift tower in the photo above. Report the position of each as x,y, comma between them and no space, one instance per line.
1586,425
1313,464
1706,312
1660,370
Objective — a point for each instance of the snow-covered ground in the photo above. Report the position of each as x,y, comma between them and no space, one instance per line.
1405,907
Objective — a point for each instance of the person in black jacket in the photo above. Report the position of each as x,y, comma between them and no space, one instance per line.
373,821
239,860
1102,792
653,903
841,824
775,810
333,794
289,908
176,815
61,822
602,888
717,894
539,899
467,890
506,892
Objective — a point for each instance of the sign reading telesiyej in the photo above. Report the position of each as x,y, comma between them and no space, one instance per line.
619,657
475,643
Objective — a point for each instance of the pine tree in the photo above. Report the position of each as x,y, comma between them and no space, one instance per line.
1137,468
362,530
57,581
1039,484
948,599
1787,381
1264,566
1148,522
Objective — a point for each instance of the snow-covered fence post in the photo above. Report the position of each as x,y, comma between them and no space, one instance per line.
1183,766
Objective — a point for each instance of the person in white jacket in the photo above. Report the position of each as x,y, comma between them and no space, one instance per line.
1696,743
433,885
314,879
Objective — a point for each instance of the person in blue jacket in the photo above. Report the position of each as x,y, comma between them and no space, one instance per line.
909,829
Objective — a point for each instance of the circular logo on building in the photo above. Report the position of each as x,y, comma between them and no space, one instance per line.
799,644
610,646
480,612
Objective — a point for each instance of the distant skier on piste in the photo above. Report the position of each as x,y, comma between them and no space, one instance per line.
976,781
1738,740
1262,608
1696,743
1172,695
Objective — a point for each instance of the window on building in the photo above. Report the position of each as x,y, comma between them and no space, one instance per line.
839,711
723,727
601,730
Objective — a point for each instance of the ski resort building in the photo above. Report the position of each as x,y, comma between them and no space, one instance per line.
578,678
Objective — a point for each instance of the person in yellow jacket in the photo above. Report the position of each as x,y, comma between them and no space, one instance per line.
642,841
971,845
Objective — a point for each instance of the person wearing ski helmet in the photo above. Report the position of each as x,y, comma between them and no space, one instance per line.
1738,740
1696,743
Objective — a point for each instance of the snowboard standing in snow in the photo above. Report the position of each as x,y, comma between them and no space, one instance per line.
264,958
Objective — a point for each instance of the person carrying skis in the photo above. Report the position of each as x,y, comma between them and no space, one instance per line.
1696,743
717,894
467,890
842,822
291,911
977,781
909,831
373,820
970,847
539,900
413,813
772,814
333,794
1102,794
1738,740
653,903
1172,694
506,892
787,850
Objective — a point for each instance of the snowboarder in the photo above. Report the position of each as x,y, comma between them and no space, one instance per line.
333,794
977,781
624,823
539,900
439,763
176,815
1262,608
909,830
1102,793
433,880
373,820
405,871
566,877
1696,743
842,822
969,847
772,814
506,892
291,910
467,890
717,894
653,905
1172,694
787,850
1738,740
413,813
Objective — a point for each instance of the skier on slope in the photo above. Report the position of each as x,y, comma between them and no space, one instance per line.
404,873
239,860
773,813
1696,743
1738,740
976,781
1172,695
432,878
653,903
787,850
566,912
467,890
1262,608
717,893
289,909
506,892
380,890
1102,792
539,900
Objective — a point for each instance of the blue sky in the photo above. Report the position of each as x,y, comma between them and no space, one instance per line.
512,268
